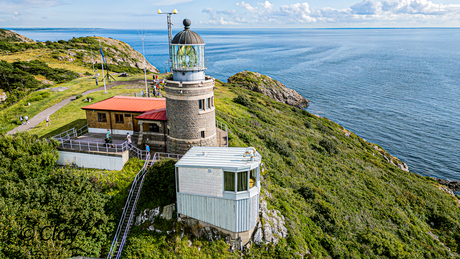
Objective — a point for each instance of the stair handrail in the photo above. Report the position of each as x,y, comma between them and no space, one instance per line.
133,210
140,176
125,209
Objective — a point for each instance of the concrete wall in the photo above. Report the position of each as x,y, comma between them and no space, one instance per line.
200,181
89,160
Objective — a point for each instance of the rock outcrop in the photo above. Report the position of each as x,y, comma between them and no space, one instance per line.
271,225
119,53
11,36
391,159
453,185
270,87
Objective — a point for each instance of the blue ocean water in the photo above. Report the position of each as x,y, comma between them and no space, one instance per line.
399,88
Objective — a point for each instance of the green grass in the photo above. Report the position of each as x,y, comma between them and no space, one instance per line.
72,116
9,117
340,196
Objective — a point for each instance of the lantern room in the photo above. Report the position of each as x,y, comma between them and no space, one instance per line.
187,51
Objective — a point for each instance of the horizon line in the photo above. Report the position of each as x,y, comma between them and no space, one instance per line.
224,28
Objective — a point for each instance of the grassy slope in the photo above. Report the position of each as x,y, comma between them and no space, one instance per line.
349,202
10,115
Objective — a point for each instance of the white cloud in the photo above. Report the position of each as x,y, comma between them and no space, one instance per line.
299,12
217,19
248,7
170,2
367,7
366,12
266,5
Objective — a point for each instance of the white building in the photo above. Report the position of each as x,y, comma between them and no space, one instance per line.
220,186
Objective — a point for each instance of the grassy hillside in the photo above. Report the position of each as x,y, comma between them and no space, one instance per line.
342,196
26,65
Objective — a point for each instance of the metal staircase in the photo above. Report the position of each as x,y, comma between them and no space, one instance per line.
129,210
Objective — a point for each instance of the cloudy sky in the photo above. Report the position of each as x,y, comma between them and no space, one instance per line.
229,13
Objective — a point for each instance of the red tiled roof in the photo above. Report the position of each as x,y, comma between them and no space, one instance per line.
128,104
155,115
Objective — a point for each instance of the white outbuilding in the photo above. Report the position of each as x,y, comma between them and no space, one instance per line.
220,186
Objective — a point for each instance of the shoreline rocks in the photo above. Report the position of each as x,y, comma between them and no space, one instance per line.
453,185
270,87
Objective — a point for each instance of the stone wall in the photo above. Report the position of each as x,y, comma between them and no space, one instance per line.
185,120
128,122
182,146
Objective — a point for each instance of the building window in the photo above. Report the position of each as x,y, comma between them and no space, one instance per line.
119,118
229,181
208,103
101,117
242,181
202,134
154,127
127,115
212,101
252,178
201,105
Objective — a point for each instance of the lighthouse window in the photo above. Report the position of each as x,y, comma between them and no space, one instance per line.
201,104
202,133
252,178
208,103
242,181
229,181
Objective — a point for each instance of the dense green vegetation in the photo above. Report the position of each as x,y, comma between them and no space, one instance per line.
158,191
340,195
18,78
52,212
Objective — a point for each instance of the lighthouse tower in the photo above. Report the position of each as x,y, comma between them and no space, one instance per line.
189,95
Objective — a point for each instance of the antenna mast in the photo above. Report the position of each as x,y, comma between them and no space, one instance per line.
169,33
142,36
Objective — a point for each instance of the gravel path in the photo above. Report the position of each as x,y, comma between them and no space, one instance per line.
42,115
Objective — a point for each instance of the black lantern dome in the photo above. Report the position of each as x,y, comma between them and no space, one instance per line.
187,55
187,36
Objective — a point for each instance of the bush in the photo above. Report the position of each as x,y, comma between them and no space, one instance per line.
241,99
329,146
78,96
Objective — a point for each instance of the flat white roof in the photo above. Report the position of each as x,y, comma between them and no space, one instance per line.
227,158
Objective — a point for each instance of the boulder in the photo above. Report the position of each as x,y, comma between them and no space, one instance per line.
270,87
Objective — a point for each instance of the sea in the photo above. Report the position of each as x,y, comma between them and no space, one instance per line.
399,88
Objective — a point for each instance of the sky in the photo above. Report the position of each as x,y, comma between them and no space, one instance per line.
137,14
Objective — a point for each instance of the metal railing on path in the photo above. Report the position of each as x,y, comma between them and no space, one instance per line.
223,127
67,140
129,210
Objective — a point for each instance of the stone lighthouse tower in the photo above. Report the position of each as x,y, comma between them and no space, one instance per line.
189,95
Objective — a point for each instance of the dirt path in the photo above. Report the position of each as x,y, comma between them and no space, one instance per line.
42,115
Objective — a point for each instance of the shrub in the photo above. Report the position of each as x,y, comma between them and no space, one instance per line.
78,96
329,146
241,99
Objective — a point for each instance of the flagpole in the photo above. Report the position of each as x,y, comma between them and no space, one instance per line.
102,58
